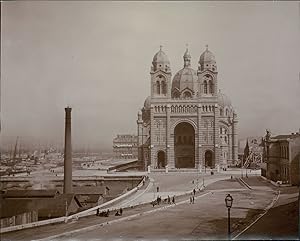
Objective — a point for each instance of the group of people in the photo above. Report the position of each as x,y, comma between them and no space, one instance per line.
166,200
103,213
106,213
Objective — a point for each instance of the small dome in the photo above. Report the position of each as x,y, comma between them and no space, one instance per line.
186,54
187,58
207,56
147,103
160,57
223,100
207,60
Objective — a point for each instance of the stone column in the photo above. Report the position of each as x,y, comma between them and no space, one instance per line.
140,138
168,135
217,143
200,163
229,156
152,154
68,153
234,138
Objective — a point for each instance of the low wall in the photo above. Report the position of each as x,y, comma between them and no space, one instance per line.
20,219
85,213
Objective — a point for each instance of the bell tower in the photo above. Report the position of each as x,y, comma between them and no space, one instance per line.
207,74
160,76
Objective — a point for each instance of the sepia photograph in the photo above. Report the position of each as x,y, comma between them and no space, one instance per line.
149,120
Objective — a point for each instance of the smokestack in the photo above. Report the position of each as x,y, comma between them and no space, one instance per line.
68,153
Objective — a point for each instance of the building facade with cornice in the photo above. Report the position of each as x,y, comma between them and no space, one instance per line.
186,122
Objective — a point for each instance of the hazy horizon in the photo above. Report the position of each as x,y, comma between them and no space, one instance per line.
96,58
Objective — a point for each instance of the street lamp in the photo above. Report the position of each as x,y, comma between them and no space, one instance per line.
228,202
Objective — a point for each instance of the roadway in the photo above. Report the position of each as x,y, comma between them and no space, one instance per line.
207,218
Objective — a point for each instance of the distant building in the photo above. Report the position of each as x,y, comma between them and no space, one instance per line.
255,154
282,154
125,147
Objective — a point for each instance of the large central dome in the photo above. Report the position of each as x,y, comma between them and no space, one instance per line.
185,80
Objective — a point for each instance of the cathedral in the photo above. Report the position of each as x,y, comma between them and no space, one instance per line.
186,122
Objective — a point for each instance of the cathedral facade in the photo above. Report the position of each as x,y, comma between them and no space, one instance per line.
186,122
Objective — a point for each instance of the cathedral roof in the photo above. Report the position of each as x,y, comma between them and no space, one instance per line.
207,57
147,103
160,57
186,54
223,100
184,77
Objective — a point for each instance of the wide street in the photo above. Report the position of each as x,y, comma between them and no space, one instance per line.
205,219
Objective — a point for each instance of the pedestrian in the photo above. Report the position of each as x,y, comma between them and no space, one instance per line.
107,190
193,199
173,199
121,211
107,213
98,212
194,191
157,189
169,200
117,214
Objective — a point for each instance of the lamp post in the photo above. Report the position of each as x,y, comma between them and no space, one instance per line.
228,202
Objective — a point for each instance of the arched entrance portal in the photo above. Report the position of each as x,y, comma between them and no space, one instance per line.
208,159
161,159
184,140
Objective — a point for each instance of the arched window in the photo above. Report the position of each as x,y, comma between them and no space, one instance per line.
221,112
211,87
163,87
187,95
227,112
157,87
176,94
205,87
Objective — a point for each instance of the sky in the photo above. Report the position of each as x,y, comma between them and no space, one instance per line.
96,57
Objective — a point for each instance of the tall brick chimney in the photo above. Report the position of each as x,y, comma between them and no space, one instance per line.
68,153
